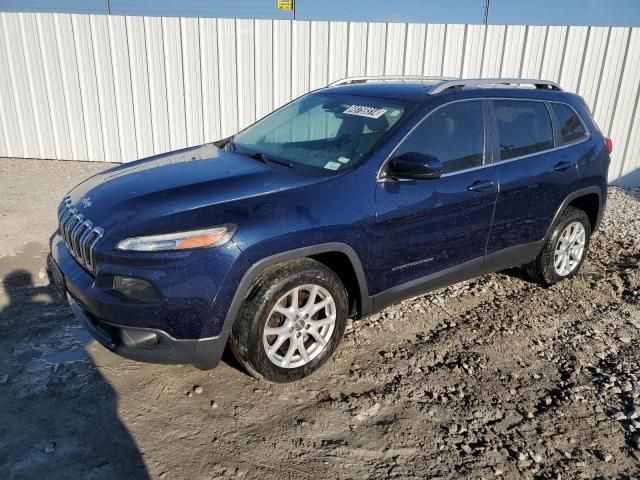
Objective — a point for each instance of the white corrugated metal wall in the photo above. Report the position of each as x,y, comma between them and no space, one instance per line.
93,87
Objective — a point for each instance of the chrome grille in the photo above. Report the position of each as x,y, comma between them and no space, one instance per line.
79,234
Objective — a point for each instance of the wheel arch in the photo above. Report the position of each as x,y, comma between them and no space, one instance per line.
331,254
587,199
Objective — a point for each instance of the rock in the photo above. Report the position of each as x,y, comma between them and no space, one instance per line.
536,457
370,412
625,339
198,389
50,447
604,456
214,405
4,378
633,413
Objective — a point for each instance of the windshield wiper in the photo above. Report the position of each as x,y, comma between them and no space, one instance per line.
264,159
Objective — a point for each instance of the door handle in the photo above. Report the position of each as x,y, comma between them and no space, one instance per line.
562,166
480,185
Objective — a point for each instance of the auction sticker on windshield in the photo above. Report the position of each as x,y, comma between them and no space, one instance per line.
362,111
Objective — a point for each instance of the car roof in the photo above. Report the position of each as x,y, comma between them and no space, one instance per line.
420,91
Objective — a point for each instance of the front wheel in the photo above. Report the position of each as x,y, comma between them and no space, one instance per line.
292,322
565,249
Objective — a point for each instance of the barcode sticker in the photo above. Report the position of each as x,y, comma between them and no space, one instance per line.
332,165
362,111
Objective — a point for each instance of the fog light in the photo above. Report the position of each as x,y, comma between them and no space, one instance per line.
135,288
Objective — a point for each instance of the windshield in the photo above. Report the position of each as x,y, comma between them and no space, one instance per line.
327,131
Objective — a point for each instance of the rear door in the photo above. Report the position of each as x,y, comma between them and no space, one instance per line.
438,227
534,177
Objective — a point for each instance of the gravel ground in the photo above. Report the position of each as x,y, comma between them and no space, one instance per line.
492,377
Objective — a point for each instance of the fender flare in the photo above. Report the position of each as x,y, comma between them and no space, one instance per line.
259,267
581,192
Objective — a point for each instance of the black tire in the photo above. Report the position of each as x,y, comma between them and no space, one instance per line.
246,339
542,269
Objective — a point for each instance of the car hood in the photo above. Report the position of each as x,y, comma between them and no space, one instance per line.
178,188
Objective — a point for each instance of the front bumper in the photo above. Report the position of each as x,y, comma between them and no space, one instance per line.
181,327
151,345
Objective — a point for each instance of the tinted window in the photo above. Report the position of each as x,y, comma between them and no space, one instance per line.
524,127
571,127
454,134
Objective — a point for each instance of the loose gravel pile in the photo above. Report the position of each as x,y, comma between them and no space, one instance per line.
495,377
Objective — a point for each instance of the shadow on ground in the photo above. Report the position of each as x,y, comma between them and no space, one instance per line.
59,414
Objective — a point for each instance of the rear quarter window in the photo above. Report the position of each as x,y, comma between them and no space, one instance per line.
524,127
571,126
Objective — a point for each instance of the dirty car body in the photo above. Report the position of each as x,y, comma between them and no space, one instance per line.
388,238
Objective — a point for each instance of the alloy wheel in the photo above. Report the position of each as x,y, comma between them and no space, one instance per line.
299,326
569,249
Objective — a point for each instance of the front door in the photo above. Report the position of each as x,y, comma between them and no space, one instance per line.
435,231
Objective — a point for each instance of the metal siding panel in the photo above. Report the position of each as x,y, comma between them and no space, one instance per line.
264,67
434,49
20,86
72,89
122,88
493,50
246,73
628,120
140,91
573,55
395,51
357,62
56,94
624,120
175,82
319,51
157,84
88,87
338,50
611,74
192,80
228,76
453,50
630,173
592,66
414,56
554,54
281,62
210,79
300,58
106,88
376,47
473,51
513,49
37,85
10,125
533,50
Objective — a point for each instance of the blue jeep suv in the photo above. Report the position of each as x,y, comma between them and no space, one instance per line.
345,200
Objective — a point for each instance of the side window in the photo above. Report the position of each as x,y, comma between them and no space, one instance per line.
454,134
524,127
571,127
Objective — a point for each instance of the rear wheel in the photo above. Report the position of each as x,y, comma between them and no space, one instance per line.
565,250
292,321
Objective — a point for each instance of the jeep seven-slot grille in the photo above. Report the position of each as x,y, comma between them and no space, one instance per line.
79,234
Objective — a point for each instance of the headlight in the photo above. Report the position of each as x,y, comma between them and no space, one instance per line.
210,237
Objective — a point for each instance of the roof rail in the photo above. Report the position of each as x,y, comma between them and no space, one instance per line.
461,82
387,78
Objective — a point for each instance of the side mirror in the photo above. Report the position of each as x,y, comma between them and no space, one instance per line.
415,165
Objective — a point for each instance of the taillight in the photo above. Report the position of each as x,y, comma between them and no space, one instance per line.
609,143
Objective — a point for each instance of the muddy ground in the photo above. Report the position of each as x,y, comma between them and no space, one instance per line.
493,377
